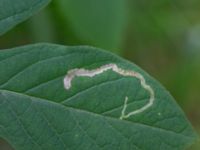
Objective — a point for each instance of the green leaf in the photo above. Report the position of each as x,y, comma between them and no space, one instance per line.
99,23
37,112
13,12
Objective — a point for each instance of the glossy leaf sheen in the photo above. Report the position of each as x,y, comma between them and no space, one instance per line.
13,12
37,113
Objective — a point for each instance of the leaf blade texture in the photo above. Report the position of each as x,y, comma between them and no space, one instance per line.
37,112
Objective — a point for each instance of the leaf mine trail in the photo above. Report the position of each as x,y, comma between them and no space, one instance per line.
92,73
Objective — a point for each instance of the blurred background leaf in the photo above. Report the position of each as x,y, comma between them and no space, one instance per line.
13,12
95,22
161,36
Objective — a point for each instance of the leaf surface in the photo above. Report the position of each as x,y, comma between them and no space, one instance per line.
37,112
13,12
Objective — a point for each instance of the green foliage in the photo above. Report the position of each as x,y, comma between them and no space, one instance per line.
99,23
13,12
37,112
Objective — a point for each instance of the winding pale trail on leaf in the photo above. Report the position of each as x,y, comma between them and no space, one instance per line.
71,74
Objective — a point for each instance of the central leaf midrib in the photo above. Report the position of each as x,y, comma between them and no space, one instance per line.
92,113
